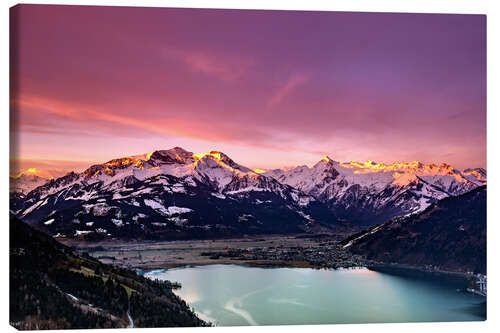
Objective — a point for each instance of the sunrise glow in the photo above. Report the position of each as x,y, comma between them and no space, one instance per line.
266,102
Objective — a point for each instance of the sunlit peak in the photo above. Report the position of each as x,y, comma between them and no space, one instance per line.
213,153
412,167
33,172
327,159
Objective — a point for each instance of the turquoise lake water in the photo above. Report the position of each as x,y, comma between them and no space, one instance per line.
230,295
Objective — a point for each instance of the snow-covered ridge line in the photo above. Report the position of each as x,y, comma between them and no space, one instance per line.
180,163
369,192
386,190
143,182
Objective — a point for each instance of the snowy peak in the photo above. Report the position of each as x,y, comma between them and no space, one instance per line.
171,156
479,171
139,164
370,173
220,159
386,190
32,173
26,181
476,175
403,179
414,167
214,169
327,159
176,161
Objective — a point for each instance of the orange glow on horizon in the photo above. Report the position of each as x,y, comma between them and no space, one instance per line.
33,172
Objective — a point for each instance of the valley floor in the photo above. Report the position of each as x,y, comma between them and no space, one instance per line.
305,251
264,250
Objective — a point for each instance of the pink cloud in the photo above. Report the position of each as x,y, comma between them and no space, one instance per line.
287,89
144,77
225,66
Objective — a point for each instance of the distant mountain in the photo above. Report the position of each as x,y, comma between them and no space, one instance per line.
52,287
25,182
369,193
22,184
476,175
171,194
450,234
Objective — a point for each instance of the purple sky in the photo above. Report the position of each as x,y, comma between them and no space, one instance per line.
269,88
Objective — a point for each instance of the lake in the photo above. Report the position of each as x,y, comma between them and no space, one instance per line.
231,295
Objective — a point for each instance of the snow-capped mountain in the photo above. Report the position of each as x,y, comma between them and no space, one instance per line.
171,194
25,182
369,193
476,175
22,184
175,193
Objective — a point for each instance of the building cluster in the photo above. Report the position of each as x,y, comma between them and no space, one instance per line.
328,255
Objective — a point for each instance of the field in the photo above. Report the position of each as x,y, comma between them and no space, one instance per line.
153,255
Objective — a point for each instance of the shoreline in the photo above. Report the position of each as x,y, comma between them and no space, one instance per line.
270,252
463,280
260,264
270,265
457,279
477,306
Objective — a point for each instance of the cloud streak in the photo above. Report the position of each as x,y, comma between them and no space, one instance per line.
225,67
287,89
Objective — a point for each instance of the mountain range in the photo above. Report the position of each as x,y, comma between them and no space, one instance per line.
369,193
174,194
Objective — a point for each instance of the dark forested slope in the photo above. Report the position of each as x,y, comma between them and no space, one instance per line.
450,234
51,287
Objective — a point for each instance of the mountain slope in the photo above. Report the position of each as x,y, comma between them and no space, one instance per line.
51,287
450,234
171,194
369,193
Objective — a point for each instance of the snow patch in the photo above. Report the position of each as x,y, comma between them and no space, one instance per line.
159,224
118,223
218,195
178,210
245,218
49,221
82,232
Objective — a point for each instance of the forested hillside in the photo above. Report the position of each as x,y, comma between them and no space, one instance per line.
51,287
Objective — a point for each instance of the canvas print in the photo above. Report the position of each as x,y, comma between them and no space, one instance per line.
210,167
